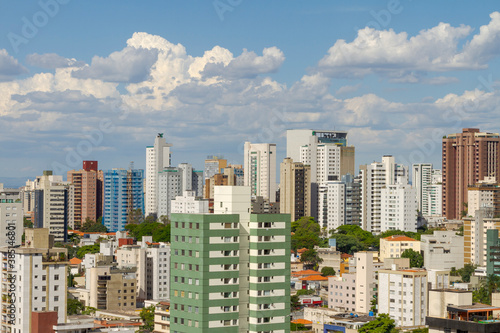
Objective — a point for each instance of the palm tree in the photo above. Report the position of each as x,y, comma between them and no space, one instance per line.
491,283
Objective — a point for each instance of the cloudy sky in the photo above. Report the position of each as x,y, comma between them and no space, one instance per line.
98,79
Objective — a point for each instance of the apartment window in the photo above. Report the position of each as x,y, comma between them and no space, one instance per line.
44,277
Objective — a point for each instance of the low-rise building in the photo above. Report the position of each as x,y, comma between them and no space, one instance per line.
394,246
452,310
442,250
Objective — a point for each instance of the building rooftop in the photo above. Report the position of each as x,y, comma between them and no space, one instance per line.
75,261
306,273
315,278
302,321
399,238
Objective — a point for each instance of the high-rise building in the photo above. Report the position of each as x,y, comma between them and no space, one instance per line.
36,278
352,199
189,203
468,158
403,296
123,192
158,157
331,205
214,165
297,138
428,183
295,189
11,221
260,169
398,208
475,239
325,151
365,265
230,270
485,193
374,177
53,205
87,184
172,182
339,203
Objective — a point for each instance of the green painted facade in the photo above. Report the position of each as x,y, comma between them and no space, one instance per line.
205,278
492,252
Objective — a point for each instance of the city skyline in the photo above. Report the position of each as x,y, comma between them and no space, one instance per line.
160,74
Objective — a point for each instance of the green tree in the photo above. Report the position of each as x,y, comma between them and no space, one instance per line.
297,327
74,306
349,244
148,317
159,231
82,251
481,296
361,235
294,302
27,223
416,258
71,280
489,286
310,258
465,272
89,310
328,271
306,233
305,292
382,324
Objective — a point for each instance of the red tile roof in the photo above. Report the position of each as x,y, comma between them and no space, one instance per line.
75,261
399,238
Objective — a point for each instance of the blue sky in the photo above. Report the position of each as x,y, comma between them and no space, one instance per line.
396,74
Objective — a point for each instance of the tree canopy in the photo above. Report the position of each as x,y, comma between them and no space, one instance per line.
310,257
159,231
82,251
148,317
306,233
382,324
416,258
328,271
465,273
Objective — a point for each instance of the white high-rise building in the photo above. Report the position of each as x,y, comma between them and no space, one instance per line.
421,176
169,187
297,138
36,278
260,169
190,204
173,181
398,208
324,160
54,205
158,157
374,177
365,265
402,294
428,183
11,219
331,205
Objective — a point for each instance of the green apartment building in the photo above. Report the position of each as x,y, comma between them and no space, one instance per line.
230,273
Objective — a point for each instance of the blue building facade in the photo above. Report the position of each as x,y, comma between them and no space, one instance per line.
123,192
